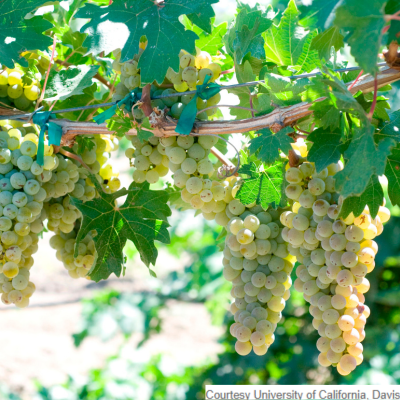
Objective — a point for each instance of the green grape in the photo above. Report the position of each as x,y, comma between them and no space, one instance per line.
19,199
24,163
194,185
4,77
15,91
203,73
214,100
181,87
202,60
196,152
152,176
189,166
14,78
205,167
187,98
187,60
189,75
176,110
169,101
17,181
3,90
31,187
207,142
32,92
22,102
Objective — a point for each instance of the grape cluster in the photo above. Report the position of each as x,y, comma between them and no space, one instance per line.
257,262
192,72
22,196
64,218
65,243
335,255
149,159
17,89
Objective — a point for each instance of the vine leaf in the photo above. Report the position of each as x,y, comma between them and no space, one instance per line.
245,35
211,43
325,115
202,18
364,160
324,42
391,128
18,34
289,44
244,73
142,219
392,173
371,197
363,20
263,187
319,14
268,144
122,24
327,148
69,82
392,7
249,27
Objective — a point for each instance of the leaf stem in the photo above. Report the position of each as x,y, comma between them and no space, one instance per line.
228,71
355,81
300,130
371,112
47,73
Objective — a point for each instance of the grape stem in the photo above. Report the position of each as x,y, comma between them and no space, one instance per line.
47,73
75,157
301,130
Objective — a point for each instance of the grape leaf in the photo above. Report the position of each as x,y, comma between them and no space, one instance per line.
244,73
364,21
371,197
289,44
327,148
392,173
212,43
18,34
319,14
342,99
324,42
282,90
364,160
326,116
249,27
263,187
391,129
123,23
142,219
202,18
268,144
392,7
69,82
250,23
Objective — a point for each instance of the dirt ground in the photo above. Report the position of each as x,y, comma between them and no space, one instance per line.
36,343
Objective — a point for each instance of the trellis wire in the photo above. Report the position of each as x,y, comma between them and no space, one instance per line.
237,85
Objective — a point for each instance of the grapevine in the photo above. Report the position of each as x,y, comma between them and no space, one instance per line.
305,202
